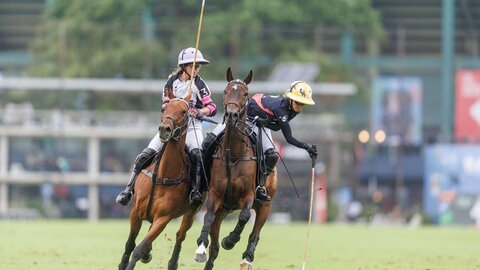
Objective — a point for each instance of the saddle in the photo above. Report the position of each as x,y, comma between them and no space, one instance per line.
150,168
210,155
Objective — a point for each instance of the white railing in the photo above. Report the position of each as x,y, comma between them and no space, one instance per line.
120,125
155,86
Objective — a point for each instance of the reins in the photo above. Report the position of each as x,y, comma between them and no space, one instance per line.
227,152
179,130
154,177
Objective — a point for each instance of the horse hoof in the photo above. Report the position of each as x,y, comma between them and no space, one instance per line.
200,254
227,244
122,266
147,258
200,257
245,265
172,266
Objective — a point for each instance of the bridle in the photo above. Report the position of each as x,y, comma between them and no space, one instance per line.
241,109
239,126
181,128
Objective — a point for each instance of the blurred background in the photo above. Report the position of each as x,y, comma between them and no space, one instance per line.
396,82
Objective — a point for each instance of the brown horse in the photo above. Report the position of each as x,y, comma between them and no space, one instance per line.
168,198
232,182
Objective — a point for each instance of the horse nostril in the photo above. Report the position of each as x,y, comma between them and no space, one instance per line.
233,115
165,130
165,133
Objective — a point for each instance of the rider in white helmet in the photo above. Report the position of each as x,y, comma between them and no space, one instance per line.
200,104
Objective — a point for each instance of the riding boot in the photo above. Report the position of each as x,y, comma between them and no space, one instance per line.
209,141
142,160
271,159
195,197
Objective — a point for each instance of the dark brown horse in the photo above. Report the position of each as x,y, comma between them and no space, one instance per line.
168,198
232,182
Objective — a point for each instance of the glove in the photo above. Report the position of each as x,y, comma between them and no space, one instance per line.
260,121
193,112
312,151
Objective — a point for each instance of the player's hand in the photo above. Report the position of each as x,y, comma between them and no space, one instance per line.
193,112
312,151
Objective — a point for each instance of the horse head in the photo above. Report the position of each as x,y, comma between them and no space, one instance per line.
174,120
235,98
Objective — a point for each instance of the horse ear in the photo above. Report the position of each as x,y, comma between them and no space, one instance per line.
249,78
189,95
229,75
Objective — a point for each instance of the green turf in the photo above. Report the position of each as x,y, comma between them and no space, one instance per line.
72,245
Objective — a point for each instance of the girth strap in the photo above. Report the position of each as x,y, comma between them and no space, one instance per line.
166,181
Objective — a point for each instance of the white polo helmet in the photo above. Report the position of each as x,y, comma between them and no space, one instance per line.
186,57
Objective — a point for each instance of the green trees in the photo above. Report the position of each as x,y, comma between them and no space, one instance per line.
81,38
109,38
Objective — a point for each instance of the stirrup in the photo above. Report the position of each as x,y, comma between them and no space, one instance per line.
261,194
195,197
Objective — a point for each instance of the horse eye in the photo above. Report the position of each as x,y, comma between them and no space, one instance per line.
246,94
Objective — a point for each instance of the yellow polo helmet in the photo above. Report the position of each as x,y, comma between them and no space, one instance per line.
301,92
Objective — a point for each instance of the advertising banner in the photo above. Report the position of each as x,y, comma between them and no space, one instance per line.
467,106
452,182
397,107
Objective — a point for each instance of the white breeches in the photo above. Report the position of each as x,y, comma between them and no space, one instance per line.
266,134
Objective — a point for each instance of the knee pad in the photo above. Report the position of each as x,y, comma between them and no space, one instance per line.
271,159
209,140
195,155
143,159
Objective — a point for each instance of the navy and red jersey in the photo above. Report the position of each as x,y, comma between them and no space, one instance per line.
200,92
277,111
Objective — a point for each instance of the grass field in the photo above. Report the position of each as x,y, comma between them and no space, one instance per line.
72,245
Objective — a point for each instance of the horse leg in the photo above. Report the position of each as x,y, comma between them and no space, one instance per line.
144,248
229,241
135,226
187,222
147,257
202,241
214,233
249,254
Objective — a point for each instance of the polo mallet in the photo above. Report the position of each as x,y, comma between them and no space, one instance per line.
192,78
312,188
196,44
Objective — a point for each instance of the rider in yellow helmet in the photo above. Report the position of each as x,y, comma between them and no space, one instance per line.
300,92
274,113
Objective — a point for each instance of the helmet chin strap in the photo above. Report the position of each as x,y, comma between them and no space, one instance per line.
186,72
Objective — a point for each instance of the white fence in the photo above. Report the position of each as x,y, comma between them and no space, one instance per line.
93,177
